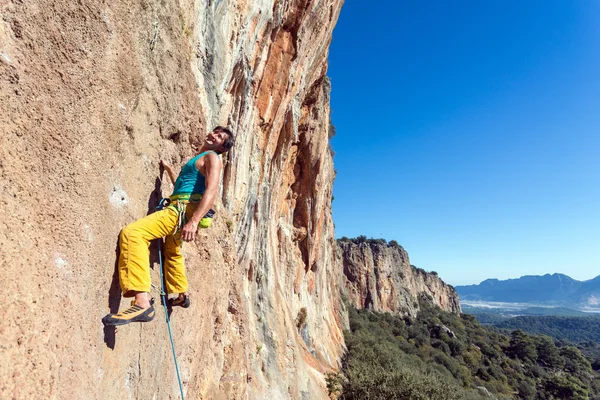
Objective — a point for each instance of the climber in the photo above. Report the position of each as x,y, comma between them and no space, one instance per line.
193,196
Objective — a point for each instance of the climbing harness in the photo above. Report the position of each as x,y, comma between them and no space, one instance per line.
179,203
180,206
163,295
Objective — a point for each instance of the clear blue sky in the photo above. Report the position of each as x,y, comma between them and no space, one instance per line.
469,132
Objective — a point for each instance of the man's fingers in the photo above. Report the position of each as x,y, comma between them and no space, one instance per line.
188,236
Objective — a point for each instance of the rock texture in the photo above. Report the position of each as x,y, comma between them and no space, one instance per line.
379,276
92,95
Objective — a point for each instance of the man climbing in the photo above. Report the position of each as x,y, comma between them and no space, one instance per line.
193,196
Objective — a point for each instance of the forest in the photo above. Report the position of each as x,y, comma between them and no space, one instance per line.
439,355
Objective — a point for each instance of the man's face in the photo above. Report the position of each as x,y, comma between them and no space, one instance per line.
215,139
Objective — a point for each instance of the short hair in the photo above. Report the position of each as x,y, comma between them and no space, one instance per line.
229,142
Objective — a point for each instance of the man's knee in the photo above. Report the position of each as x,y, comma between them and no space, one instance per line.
125,233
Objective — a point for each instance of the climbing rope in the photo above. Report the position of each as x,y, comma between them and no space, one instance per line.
163,296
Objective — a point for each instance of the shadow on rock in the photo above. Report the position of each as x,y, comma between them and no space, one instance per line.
155,196
114,300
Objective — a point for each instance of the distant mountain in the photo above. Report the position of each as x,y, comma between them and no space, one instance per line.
555,289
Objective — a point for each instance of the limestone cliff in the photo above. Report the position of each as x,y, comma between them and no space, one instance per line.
379,276
92,95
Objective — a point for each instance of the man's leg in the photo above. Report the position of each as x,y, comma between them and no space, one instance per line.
134,264
175,277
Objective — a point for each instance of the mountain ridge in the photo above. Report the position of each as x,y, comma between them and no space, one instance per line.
556,288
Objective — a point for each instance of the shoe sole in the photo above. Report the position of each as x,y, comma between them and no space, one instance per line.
145,317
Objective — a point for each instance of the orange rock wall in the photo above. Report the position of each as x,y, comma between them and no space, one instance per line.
92,95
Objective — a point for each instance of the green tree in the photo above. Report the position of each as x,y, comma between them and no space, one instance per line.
522,347
566,387
548,353
526,389
575,362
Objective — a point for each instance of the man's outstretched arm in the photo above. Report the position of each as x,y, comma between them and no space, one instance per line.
169,170
212,168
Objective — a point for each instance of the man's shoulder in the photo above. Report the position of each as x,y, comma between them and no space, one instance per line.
213,155
211,158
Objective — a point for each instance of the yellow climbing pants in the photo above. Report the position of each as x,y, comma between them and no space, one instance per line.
134,255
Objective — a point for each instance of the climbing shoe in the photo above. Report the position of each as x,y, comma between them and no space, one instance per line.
180,301
132,314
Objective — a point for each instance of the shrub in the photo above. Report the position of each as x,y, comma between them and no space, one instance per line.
360,239
565,387
301,318
334,382
526,389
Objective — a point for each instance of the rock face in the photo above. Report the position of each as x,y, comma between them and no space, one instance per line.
379,276
92,95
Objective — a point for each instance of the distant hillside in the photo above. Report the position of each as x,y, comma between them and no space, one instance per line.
575,329
556,289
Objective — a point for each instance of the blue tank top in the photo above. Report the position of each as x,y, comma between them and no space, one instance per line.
190,180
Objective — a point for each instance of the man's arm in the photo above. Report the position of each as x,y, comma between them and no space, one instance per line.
169,170
212,168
